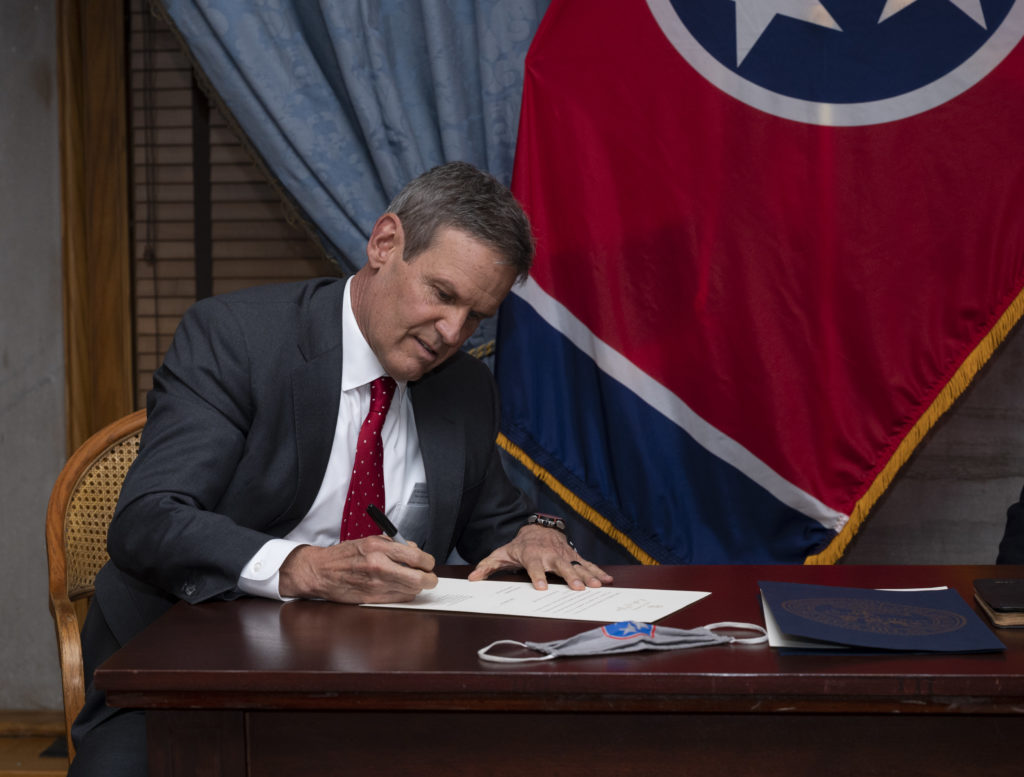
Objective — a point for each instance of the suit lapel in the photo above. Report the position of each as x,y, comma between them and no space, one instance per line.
443,453
316,389
316,393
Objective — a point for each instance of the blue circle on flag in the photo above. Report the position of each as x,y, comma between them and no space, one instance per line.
842,62
846,52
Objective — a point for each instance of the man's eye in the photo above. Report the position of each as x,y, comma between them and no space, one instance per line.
444,296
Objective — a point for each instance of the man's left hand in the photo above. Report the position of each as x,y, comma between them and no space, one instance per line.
539,550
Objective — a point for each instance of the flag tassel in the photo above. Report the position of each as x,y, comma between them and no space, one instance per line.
584,510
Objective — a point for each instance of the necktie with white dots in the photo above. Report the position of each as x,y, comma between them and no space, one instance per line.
367,484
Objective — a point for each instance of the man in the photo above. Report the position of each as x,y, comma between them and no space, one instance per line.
1011,547
257,433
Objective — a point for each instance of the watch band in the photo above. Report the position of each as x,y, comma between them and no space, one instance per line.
550,522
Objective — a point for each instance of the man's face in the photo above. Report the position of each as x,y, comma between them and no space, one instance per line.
416,314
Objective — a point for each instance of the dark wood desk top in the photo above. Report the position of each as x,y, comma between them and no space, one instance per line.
262,654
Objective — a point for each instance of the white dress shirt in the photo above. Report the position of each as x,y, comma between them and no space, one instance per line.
404,479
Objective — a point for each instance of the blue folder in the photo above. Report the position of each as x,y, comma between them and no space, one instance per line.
936,621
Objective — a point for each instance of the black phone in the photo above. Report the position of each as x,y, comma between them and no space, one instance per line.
1001,594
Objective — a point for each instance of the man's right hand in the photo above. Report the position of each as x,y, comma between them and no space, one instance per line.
373,569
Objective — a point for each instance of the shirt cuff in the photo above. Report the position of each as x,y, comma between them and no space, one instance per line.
261,574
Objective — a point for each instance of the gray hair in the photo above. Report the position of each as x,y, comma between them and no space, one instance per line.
459,196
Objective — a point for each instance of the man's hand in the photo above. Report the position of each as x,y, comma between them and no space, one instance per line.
540,550
373,569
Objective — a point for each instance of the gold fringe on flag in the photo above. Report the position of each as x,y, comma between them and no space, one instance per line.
483,350
945,399
584,510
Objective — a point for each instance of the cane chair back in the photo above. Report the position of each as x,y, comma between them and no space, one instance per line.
81,505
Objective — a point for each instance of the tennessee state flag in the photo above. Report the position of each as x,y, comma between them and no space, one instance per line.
776,239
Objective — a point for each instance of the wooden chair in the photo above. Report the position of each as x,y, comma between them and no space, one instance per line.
81,506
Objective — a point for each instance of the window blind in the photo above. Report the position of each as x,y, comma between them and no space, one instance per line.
238,215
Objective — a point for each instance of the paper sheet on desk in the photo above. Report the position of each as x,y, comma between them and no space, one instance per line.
608,605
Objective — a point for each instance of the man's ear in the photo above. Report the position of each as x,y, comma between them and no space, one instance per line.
387,241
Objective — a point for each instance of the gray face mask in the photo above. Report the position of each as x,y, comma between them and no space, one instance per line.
627,637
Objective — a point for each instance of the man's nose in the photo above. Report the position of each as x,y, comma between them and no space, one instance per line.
451,326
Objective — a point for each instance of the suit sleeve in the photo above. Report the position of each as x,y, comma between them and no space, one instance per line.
1011,549
165,530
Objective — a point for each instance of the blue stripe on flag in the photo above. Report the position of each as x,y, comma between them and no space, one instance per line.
629,462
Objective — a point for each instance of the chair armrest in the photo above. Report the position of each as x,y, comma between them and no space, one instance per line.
69,647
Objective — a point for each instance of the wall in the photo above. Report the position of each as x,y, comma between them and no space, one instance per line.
31,349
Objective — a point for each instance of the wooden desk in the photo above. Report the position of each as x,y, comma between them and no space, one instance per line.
318,688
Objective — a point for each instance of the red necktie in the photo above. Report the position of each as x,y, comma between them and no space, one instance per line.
367,484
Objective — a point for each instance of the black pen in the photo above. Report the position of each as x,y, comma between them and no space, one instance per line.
385,525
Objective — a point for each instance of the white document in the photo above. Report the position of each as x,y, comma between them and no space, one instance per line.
609,604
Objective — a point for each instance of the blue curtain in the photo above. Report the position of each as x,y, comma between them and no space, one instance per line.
346,101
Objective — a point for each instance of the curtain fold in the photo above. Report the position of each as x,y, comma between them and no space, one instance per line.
345,102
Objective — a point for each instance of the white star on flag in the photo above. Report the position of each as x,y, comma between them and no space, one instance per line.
970,7
754,16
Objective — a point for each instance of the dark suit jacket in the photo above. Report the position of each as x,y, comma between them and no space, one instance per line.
240,427
1011,548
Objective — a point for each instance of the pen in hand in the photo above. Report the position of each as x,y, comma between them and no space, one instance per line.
385,525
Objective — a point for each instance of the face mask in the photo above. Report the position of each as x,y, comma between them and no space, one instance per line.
627,637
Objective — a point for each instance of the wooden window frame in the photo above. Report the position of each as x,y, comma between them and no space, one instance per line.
97,289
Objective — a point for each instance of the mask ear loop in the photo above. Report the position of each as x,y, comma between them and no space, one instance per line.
743,627
482,653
